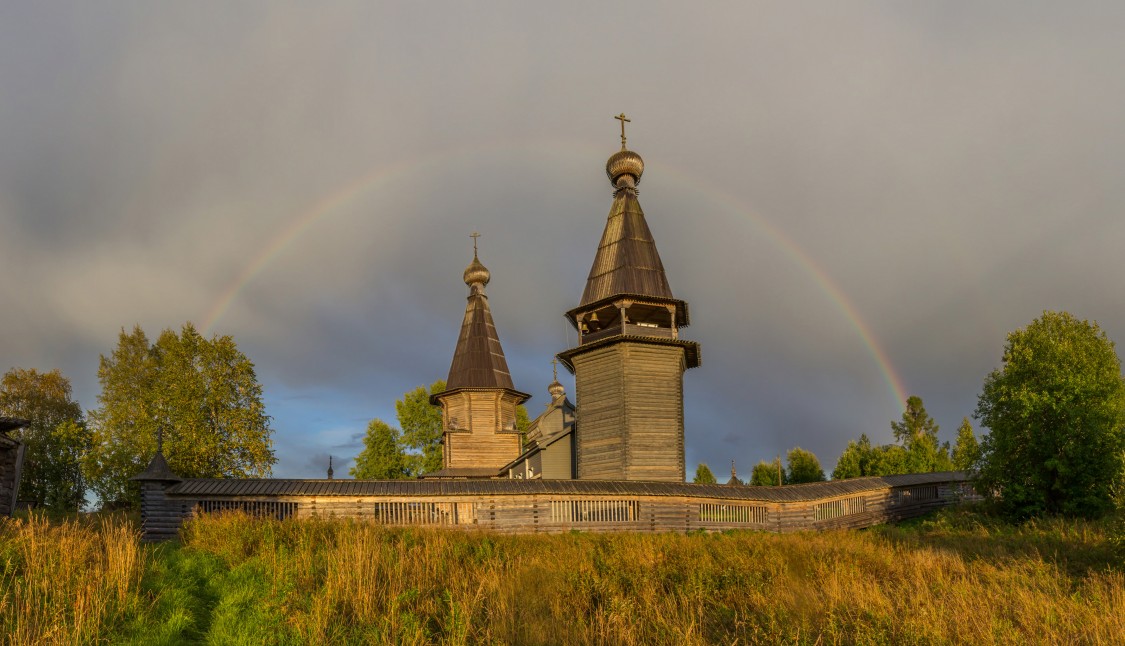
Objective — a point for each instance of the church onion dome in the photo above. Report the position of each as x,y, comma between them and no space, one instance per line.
476,272
556,390
625,164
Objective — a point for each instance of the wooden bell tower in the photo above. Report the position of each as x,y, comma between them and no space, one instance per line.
630,359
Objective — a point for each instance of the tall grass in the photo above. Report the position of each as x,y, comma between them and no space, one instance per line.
67,582
956,577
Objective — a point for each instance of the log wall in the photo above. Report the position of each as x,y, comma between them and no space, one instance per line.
161,515
631,422
11,463
643,508
484,438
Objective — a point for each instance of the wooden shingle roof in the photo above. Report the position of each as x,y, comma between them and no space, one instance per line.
12,423
787,493
157,471
627,261
478,361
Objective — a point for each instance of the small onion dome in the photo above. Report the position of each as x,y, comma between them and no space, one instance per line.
556,390
477,273
624,163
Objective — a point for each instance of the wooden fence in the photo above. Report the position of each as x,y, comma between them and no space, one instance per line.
550,506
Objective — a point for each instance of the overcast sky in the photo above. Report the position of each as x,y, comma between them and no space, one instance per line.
858,200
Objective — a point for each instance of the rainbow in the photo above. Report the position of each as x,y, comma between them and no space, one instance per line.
381,175
820,277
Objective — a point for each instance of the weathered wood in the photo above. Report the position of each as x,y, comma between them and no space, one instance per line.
558,506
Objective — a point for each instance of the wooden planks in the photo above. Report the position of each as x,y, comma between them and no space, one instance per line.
531,506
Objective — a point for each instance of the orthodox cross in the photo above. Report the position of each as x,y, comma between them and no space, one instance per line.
474,235
160,439
622,118
555,368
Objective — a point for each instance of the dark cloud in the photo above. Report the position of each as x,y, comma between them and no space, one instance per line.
820,177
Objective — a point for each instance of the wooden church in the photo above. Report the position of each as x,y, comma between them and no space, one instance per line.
628,368
611,461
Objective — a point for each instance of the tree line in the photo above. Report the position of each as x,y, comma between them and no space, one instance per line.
1054,410
1055,414
200,396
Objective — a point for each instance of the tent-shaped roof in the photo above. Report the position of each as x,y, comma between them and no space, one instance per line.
478,361
627,261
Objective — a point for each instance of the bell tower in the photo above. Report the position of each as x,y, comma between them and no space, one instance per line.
630,359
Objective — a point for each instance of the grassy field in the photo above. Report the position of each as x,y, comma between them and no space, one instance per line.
959,576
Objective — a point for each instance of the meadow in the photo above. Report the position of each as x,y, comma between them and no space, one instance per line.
957,576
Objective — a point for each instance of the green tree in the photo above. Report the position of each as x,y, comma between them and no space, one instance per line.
856,459
803,467
56,440
966,451
201,393
765,474
917,433
703,475
420,422
916,422
1055,411
918,452
382,457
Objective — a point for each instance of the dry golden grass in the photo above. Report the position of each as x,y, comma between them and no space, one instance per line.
363,583
67,582
959,577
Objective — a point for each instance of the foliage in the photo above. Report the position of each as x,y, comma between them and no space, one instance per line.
803,467
203,394
235,580
855,460
703,475
919,451
382,457
915,423
1055,412
765,474
421,428
966,451
57,438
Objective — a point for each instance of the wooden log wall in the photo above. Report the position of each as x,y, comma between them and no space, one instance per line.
483,417
162,515
11,462
631,423
554,512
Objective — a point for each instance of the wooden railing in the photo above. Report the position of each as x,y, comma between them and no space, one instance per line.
511,506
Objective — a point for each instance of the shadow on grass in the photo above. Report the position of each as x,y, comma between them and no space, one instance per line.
1075,546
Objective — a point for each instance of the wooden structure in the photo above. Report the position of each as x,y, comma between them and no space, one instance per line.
624,442
11,463
478,407
629,362
531,506
549,452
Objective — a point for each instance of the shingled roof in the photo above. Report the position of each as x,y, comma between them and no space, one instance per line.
12,423
478,361
627,261
436,487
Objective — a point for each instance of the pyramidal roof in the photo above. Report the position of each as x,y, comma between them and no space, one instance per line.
478,361
627,261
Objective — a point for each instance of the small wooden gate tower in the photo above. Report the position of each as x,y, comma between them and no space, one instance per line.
630,359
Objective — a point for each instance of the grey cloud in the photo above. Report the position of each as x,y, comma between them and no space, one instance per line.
952,169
